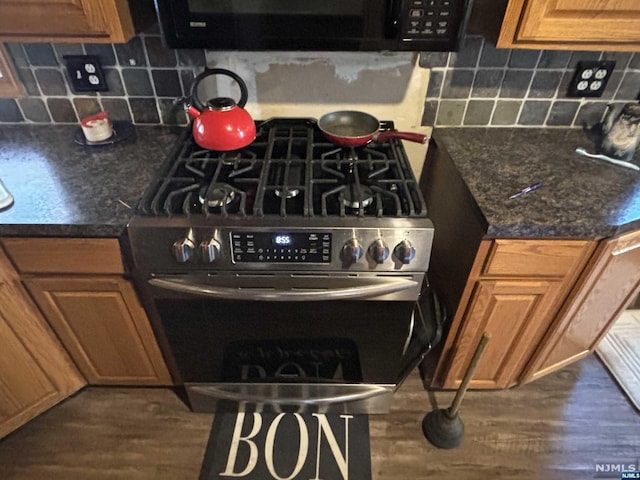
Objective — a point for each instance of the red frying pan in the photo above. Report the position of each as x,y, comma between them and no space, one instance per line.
349,128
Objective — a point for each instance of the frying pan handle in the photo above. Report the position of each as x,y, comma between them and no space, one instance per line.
409,136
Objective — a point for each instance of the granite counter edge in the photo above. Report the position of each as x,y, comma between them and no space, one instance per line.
60,230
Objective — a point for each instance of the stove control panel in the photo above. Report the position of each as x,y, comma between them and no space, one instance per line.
399,246
281,247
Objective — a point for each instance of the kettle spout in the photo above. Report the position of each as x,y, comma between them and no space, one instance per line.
192,111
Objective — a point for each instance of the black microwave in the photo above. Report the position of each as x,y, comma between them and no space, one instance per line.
331,25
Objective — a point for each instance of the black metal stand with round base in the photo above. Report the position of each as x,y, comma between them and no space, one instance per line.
443,427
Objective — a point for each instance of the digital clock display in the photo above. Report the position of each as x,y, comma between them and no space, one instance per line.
282,240
281,247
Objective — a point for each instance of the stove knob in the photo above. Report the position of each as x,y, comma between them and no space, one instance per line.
379,251
351,252
210,249
404,251
183,249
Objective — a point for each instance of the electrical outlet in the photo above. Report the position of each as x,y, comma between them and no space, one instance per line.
591,78
85,73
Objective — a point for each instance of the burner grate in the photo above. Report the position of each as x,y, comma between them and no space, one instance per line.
289,170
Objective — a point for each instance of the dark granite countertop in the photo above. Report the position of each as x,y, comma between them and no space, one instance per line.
64,189
580,197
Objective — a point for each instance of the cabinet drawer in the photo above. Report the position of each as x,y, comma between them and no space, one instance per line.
65,255
534,258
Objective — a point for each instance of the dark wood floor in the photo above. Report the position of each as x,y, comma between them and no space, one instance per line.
555,428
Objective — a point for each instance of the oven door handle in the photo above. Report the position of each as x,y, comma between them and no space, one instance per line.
360,393
387,286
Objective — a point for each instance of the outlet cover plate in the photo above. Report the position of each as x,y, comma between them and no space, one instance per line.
85,73
591,78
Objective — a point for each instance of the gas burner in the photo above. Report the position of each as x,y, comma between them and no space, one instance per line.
288,176
217,195
348,154
241,160
290,192
357,197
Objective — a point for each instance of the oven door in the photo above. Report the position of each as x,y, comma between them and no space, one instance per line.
275,342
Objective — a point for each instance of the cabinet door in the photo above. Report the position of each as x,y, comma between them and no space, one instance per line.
515,314
610,24
10,86
610,283
104,328
35,372
65,20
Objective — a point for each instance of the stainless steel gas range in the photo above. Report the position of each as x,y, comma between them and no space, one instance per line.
289,274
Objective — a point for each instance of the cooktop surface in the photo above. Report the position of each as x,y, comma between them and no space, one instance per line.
291,169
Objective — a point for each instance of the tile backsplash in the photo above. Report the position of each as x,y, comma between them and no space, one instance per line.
484,86
144,79
477,86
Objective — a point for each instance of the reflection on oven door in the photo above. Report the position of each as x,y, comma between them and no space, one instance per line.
301,375
292,360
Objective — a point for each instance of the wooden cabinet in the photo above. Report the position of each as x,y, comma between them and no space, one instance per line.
609,284
78,285
104,328
107,21
513,292
545,302
10,86
35,371
571,24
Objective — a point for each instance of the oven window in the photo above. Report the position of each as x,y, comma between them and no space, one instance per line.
277,7
333,341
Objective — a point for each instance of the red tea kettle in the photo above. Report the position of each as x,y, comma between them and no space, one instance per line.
222,124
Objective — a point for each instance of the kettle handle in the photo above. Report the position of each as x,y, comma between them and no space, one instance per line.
244,94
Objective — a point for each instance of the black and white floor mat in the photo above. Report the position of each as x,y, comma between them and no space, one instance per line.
288,446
